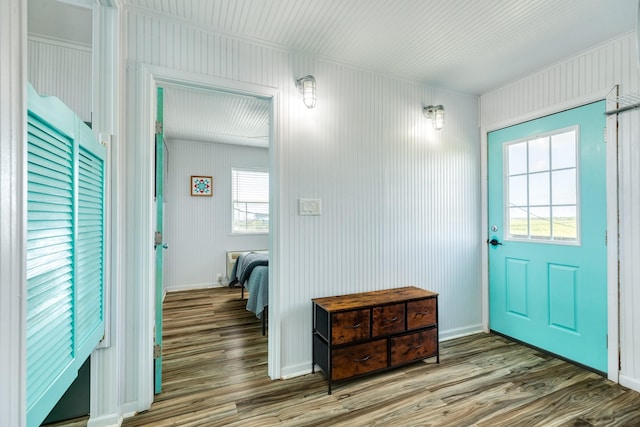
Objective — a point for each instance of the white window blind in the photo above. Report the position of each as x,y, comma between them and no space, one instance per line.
250,194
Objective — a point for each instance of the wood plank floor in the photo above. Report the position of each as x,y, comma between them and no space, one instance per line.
215,367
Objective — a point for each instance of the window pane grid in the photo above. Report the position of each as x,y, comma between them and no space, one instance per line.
541,188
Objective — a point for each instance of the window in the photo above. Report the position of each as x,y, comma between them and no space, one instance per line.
250,194
542,189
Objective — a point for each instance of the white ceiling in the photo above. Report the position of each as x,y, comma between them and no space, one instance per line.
469,46
209,116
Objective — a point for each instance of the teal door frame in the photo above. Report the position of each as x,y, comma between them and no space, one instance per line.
159,244
489,123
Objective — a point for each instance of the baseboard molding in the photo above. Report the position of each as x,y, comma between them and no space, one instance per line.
192,286
629,382
113,420
129,410
296,370
460,332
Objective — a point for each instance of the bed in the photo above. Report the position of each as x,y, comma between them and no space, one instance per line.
251,272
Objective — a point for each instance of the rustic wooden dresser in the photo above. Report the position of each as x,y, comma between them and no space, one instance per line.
358,334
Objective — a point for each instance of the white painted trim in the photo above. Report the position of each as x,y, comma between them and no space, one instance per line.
296,371
13,183
276,261
80,3
629,382
140,127
460,332
129,409
612,217
192,286
613,243
107,362
105,421
484,227
47,39
148,77
547,111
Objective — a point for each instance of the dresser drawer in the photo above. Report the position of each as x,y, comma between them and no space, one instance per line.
421,313
388,319
368,332
358,359
415,346
350,326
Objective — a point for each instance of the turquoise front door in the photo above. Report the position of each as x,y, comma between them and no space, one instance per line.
547,234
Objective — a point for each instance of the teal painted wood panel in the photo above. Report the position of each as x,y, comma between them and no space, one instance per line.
516,286
563,296
566,282
159,229
65,250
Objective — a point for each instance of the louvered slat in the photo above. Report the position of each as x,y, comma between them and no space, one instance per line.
89,244
49,258
65,251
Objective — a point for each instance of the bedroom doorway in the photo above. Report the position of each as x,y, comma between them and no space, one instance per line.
209,130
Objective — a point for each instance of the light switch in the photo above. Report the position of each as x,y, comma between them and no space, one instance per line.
309,206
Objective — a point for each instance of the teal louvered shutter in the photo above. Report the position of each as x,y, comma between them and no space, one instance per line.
65,250
50,346
89,242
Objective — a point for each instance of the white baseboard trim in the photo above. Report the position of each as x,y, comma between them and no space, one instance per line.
192,286
296,370
129,409
112,420
632,383
460,332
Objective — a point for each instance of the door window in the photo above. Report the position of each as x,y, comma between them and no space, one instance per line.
541,188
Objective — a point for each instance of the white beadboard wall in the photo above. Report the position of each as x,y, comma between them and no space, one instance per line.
400,201
62,70
580,77
198,229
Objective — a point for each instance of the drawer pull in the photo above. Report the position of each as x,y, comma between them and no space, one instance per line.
356,326
394,319
364,359
423,312
415,347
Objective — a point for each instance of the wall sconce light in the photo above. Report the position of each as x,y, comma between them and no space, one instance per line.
307,87
436,114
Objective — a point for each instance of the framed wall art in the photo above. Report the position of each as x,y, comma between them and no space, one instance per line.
201,185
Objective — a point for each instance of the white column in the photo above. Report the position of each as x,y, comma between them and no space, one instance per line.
107,361
13,45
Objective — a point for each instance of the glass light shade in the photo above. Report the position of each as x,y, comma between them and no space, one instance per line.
438,117
436,114
307,87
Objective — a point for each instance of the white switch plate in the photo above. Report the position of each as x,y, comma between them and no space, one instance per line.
309,206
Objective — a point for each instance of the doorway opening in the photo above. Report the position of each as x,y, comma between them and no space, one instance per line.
209,132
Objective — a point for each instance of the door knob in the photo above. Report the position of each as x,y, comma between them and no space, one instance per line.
494,242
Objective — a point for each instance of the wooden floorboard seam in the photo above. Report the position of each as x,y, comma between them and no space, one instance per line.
215,374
